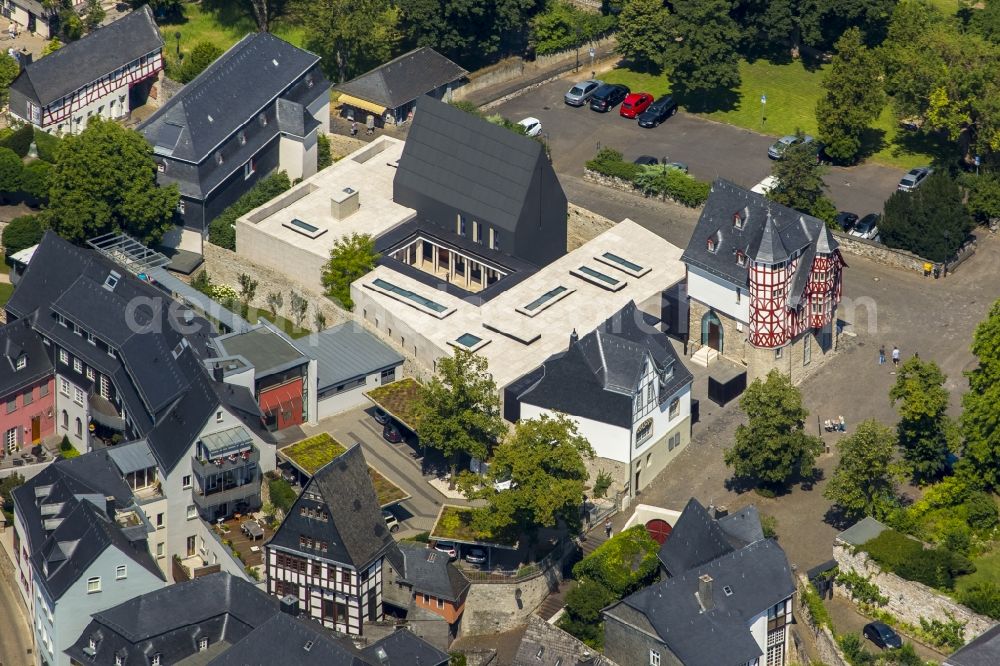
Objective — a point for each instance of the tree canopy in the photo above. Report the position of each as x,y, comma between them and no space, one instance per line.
351,257
644,33
981,405
931,221
352,36
926,433
22,232
9,69
772,448
865,480
703,56
564,25
201,56
800,181
104,180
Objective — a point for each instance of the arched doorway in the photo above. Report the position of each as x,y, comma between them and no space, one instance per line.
659,530
711,331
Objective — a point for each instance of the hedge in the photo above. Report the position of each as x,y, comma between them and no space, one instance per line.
984,598
222,230
19,140
22,232
47,145
907,558
652,180
623,563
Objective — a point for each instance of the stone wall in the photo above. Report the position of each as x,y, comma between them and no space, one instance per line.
492,608
909,601
823,640
621,184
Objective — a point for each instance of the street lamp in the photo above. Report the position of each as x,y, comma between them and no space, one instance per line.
177,36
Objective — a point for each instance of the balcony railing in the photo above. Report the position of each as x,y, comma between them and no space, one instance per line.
248,492
204,468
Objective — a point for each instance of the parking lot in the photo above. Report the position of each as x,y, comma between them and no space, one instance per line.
710,149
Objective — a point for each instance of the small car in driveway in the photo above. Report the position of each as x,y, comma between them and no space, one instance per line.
532,126
581,92
882,635
448,548
390,433
914,178
390,521
608,96
380,416
658,111
778,148
846,221
866,227
476,555
634,104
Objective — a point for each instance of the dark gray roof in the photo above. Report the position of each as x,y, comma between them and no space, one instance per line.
745,583
983,651
132,457
354,531
770,233
17,340
286,640
404,648
596,378
430,573
227,95
545,644
267,350
468,163
404,79
696,539
862,531
346,352
88,59
742,527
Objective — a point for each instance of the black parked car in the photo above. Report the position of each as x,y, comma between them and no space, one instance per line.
390,433
846,221
883,635
608,96
658,111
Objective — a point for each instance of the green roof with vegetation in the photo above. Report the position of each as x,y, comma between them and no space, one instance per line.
399,399
312,453
454,523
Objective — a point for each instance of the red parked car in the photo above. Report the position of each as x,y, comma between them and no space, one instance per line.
635,104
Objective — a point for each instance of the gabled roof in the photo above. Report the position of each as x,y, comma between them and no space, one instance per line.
226,95
597,377
545,644
745,583
862,531
404,648
18,341
430,573
770,233
347,352
468,163
695,540
353,529
983,651
284,639
404,79
90,58
743,527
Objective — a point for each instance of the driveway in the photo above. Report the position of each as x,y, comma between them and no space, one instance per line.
845,617
710,149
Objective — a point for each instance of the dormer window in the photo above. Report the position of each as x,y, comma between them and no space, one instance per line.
737,220
218,157
711,245
242,136
22,362
262,119
309,81
741,258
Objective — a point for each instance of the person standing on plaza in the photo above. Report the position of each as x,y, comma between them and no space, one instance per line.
895,356
881,355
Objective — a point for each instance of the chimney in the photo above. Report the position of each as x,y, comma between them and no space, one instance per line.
705,596
290,605
344,203
573,337
219,373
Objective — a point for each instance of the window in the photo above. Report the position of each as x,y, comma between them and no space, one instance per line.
477,232
105,388
741,259
28,397
309,81
78,395
427,599
79,427
262,119
711,245
739,295
43,390
63,356
218,157
495,239
345,576
10,439
22,362
186,481
202,644
119,660
388,375
779,352
159,520
155,660
161,167
121,572
440,603
737,220
675,408
159,550
11,405
90,374
673,441
654,658
242,137
93,584
91,339
249,169
460,225
65,420
192,512
77,365
218,416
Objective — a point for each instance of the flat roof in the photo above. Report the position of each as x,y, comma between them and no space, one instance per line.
346,352
368,171
520,328
266,349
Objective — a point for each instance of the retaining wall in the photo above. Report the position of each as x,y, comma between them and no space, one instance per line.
823,640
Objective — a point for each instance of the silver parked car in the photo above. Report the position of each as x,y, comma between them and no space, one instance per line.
580,93
914,178
778,148
866,227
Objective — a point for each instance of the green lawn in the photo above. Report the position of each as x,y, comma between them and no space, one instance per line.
399,400
792,91
6,291
987,571
455,523
223,26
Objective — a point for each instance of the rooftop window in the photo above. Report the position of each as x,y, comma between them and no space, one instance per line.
111,281
544,298
304,228
602,280
409,295
622,264
468,340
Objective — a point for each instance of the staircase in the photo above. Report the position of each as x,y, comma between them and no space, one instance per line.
704,356
555,601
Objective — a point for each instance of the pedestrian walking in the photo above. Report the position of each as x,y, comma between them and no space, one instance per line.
895,356
607,528
881,355
354,128
370,124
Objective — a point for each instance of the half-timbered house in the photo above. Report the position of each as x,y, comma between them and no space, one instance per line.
106,74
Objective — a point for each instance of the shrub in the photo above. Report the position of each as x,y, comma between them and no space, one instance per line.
907,557
19,140
811,598
583,612
853,648
623,563
201,56
609,162
282,494
35,180
981,511
602,483
984,598
950,633
22,232
46,144
862,590
66,449
222,230
324,157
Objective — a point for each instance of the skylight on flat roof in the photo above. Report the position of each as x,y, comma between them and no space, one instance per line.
304,228
597,274
602,280
544,298
622,264
409,295
468,340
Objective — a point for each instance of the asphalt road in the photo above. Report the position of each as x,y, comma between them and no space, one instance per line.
15,636
710,149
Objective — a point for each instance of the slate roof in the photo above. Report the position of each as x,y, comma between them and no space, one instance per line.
404,79
545,644
18,340
404,648
354,530
862,531
771,233
226,95
346,352
430,573
596,378
742,527
757,576
468,163
267,350
286,640
983,651
90,58
695,540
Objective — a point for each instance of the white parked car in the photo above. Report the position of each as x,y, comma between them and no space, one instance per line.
532,126
765,186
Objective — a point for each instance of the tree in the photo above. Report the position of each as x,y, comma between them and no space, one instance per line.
351,36
248,288
222,230
644,33
266,11
584,603
543,459
822,22
35,180
564,25
930,221
703,57
800,181
324,157
985,21
93,15
981,405
299,306
9,69
458,411
926,434
984,197
51,46
105,180
275,301
854,98
20,140
351,257
11,168
201,56
171,10
772,448
22,232
769,26
864,482
319,320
